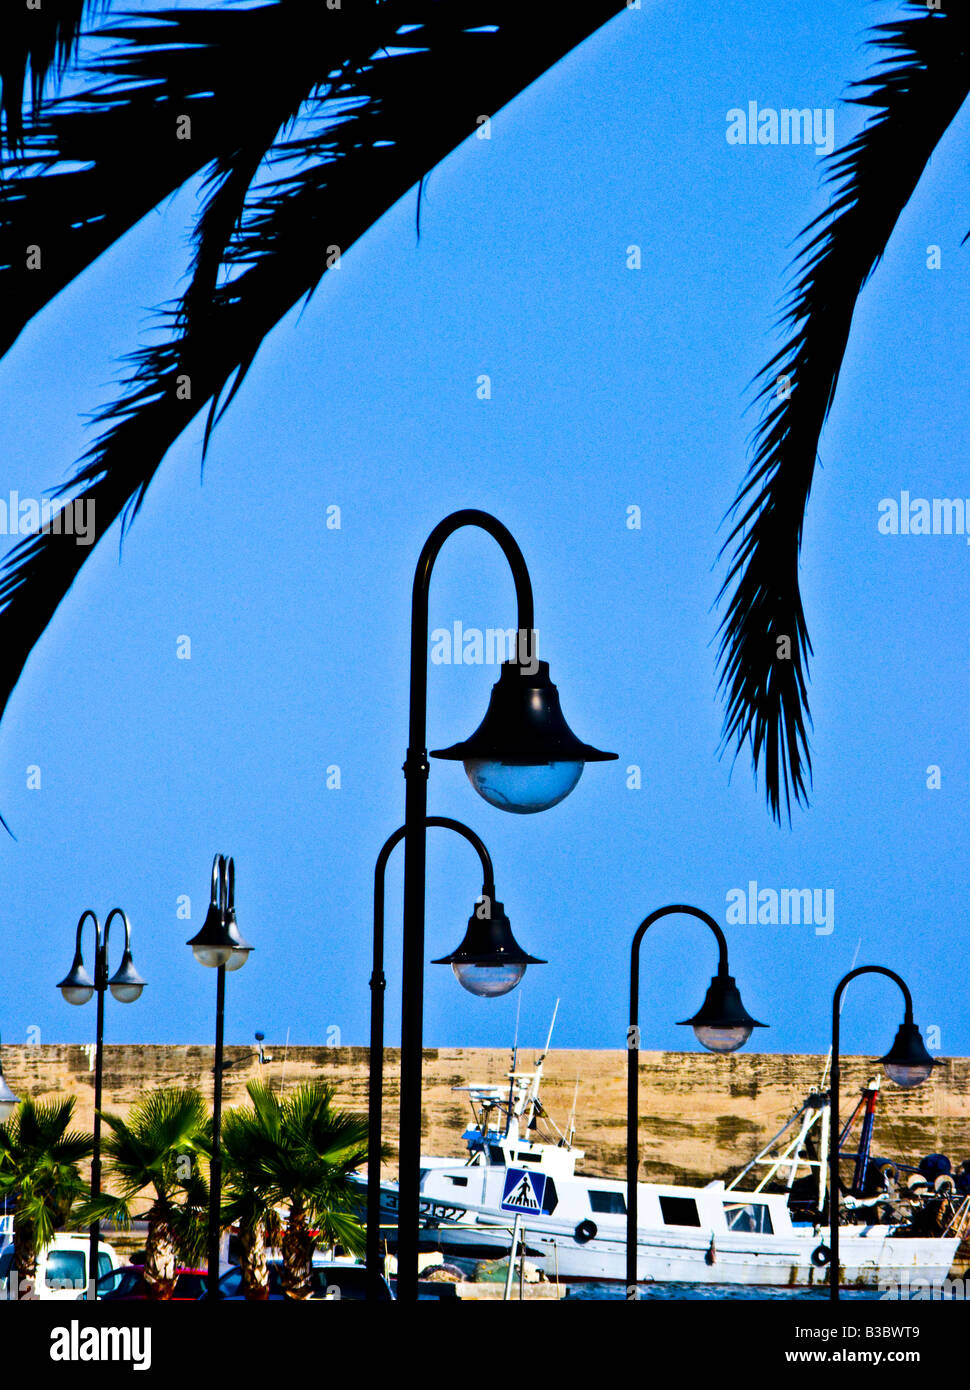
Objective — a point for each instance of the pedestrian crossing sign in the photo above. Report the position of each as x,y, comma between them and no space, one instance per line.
524,1191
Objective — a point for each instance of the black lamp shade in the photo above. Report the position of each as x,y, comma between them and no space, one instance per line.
523,757
489,961
77,985
242,949
907,1062
722,1023
216,942
126,984
524,725
489,941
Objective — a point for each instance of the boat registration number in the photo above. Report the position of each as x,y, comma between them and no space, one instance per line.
437,1211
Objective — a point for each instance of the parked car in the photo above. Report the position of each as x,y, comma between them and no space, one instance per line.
344,1275
62,1269
128,1284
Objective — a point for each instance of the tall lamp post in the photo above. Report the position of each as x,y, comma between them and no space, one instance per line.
489,962
220,946
522,758
77,987
907,1063
721,1024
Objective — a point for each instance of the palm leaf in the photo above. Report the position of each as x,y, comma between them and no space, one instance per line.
39,39
78,187
914,94
259,250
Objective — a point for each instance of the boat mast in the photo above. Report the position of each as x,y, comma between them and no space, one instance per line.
528,1108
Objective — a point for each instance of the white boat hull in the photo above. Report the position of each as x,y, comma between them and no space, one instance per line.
869,1256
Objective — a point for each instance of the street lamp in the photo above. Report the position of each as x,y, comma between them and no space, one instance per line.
522,758
8,1101
220,946
722,1024
907,1063
489,962
77,988
487,976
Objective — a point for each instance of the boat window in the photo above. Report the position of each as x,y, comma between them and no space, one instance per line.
550,1197
459,1182
750,1216
529,1158
496,1155
610,1203
679,1211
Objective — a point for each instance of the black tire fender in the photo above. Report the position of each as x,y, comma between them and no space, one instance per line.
586,1230
821,1256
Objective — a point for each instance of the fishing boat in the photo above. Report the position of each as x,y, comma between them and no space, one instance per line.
518,1190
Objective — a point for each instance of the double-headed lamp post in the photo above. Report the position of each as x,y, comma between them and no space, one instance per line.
721,1024
523,758
77,987
489,962
220,946
907,1063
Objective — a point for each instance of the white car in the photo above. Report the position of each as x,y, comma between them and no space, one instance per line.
62,1269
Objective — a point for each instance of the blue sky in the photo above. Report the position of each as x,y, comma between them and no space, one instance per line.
610,388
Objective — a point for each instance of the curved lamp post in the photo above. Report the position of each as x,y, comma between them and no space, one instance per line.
721,1024
491,965
220,946
522,758
77,987
907,1063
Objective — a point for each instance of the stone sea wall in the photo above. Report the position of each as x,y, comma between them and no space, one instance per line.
701,1116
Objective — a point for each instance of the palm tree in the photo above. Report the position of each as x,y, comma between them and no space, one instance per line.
920,83
39,1158
297,1152
244,1145
157,1149
307,120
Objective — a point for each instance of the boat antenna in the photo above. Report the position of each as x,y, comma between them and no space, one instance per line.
571,1126
549,1038
530,1105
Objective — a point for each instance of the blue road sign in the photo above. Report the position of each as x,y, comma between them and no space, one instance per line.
524,1191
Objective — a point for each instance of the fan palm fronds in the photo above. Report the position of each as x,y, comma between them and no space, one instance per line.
39,1171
